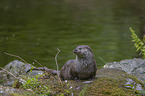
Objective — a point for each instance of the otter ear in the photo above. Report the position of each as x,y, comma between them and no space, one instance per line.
87,48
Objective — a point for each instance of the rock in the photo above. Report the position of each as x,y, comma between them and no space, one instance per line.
134,66
113,82
139,87
18,68
9,91
130,83
15,69
133,85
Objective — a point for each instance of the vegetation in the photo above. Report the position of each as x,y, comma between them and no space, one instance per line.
35,85
42,84
44,87
138,43
140,46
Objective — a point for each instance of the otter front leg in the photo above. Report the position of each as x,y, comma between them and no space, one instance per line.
74,74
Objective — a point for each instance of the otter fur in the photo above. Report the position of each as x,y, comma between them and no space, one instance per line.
83,67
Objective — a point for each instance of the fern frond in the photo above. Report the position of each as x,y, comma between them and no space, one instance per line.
138,43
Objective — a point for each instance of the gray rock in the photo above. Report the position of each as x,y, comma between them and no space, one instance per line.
15,70
133,85
130,83
134,66
17,67
139,87
9,91
6,90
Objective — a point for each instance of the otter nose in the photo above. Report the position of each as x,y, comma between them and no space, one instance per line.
75,50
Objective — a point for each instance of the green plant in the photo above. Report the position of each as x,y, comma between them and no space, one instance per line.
66,87
28,82
82,93
35,85
138,43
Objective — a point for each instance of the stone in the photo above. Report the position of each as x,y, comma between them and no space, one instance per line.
134,67
14,70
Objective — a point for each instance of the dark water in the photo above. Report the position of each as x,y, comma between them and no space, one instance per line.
34,29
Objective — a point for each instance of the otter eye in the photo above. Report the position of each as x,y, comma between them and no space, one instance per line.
80,48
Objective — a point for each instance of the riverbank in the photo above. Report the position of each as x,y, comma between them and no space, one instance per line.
109,81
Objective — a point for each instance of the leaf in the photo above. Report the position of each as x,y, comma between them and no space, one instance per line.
67,91
138,43
31,68
129,85
28,81
47,93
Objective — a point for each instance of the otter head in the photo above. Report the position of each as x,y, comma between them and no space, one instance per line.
82,51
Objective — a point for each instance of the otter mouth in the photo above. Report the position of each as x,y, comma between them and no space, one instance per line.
78,53
75,51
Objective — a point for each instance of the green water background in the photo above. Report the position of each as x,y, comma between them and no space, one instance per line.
34,29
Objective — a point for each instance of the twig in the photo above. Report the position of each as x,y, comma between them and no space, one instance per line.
102,59
38,62
9,72
16,56
18,77
57,65
140,53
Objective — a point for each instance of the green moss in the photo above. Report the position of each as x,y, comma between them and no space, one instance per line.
83,90
111,82
108,87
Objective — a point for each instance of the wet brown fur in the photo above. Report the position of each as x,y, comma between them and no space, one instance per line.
83,67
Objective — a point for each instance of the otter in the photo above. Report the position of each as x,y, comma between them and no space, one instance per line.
83,67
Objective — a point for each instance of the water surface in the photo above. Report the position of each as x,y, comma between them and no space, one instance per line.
34,29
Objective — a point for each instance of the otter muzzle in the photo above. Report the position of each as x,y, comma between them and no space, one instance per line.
75,51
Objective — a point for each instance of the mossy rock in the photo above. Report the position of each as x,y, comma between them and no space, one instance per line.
111,82
107,87
108,82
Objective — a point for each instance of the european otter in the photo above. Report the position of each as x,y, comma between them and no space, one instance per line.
83,67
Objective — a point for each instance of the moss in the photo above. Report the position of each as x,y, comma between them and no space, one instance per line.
110,82
108,87
83,90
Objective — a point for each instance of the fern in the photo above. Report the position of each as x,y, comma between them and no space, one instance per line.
139,44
